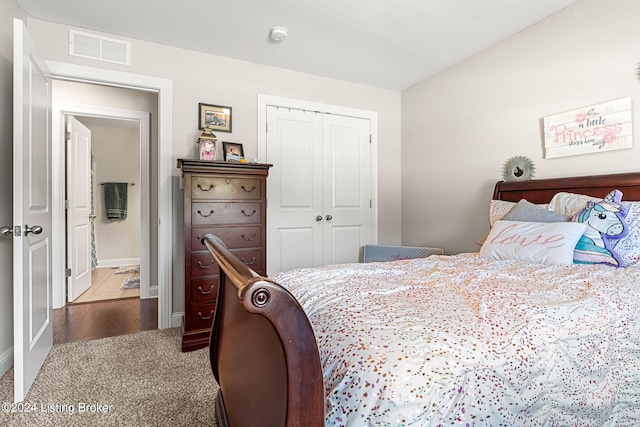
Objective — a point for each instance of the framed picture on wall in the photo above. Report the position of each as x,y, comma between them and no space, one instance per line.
233,151
215,117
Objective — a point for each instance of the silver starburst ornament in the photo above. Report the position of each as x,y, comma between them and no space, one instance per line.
518,168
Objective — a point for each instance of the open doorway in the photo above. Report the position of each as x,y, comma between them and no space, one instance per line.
121,124
103,189
124,120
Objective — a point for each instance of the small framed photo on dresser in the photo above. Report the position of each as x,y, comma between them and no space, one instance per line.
233,151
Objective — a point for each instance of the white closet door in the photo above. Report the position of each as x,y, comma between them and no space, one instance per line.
319,189
347,193
294,189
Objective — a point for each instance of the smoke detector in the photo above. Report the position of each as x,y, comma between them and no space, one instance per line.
279,33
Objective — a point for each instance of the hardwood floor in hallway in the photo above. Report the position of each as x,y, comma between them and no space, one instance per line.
101,319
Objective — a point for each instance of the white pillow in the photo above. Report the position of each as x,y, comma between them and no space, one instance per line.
542,243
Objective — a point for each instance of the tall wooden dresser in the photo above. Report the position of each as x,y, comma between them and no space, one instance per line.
228,200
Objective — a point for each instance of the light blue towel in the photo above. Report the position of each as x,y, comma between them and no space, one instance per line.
115,199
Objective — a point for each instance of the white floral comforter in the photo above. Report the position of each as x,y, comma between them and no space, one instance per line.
466,341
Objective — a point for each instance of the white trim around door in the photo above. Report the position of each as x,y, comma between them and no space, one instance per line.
163,87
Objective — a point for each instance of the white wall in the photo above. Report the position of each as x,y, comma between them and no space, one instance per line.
460,126
116,153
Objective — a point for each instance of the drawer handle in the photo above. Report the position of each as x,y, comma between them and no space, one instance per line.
202,266
253,261
248,191
252,237
246,214
206,293
205,318
208,189
205,216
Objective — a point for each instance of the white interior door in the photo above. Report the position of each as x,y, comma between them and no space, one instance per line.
347,195
33,332
319,189
294,190
79,202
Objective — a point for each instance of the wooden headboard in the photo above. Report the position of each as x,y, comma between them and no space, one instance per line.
542,190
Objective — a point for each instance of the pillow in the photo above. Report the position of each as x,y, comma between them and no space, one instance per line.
605,220
498,209
521,211
529,212
542,243
629,247
570,203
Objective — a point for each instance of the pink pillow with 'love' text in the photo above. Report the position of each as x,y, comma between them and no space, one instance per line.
540,243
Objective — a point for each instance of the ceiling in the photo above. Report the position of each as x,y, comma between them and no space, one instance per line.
389,44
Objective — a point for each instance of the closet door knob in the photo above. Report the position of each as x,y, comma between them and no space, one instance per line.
319,218
329,217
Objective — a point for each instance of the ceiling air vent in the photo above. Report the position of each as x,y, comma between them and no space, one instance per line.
100,48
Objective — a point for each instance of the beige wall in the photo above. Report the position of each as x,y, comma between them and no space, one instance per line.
199,77
460,126
116,154
8,11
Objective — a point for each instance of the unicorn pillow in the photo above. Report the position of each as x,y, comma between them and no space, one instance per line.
605,221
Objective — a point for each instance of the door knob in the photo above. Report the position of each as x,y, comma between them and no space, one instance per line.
36,229
6,231
319,218
329,217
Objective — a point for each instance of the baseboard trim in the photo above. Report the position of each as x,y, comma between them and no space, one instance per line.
176,319
6,361
153,291
118,262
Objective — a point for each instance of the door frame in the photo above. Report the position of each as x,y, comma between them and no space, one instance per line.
265,101
60,111
163,87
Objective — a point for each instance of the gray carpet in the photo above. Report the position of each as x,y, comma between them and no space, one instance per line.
140,379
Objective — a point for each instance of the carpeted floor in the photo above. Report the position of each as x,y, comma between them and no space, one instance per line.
140,379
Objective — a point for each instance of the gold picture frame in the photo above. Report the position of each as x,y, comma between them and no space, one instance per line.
215,117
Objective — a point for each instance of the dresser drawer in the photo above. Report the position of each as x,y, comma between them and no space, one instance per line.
203,264
251,257
219,188
233,237
226,213
202,315
204,290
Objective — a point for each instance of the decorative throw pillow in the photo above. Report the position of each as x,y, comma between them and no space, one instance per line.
570,203
605,222
628,247
521,211
529,212
536,242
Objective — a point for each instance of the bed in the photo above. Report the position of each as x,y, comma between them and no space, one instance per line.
463,339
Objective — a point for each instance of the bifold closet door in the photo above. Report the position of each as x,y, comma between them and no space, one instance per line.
319,191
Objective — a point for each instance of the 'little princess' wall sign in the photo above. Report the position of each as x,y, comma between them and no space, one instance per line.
602,127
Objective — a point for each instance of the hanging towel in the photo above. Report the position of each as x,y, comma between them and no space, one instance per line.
115,199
